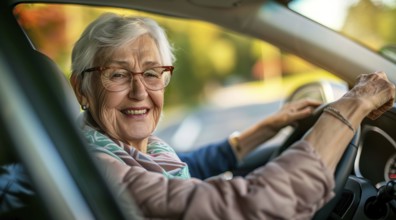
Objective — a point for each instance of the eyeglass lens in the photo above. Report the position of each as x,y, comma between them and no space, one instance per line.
117,79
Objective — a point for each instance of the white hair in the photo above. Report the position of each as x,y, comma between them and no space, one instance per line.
111,31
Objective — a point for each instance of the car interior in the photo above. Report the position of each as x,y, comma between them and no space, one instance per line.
39,130
53,178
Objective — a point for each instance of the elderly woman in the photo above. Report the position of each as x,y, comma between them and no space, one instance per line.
120,68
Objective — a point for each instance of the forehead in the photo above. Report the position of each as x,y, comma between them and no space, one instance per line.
142,49
144,43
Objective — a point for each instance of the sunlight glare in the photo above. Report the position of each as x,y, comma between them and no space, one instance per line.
329,13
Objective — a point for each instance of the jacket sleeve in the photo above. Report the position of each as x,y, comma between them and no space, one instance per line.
18,200
210,160
293,186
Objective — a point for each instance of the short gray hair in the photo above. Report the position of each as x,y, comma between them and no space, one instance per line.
111,31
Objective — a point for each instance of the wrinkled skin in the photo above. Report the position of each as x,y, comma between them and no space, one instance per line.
257,134
376,91
292,112
130,115
372,95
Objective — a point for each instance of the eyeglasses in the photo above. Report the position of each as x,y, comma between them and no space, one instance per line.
117,79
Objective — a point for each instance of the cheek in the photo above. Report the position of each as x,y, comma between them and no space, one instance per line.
112,100
158,101
104,110
108,104
108,113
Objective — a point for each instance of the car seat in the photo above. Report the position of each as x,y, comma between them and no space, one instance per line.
17,197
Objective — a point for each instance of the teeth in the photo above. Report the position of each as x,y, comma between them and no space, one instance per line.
136,112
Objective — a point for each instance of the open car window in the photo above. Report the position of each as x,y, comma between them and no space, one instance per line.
218,75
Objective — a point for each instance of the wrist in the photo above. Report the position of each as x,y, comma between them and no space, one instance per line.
270,126
337,114
358,104
352,109
355,106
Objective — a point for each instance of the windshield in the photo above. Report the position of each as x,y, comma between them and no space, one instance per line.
369,22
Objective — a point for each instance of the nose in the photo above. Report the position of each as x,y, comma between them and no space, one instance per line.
138,90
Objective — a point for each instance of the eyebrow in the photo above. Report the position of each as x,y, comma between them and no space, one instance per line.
125,63
119,62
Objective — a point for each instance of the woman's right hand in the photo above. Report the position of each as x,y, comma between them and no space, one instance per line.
372,95
375,91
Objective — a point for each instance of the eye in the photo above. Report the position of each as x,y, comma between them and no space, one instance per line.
153,73
116,74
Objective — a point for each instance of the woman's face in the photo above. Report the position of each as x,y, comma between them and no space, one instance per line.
130,115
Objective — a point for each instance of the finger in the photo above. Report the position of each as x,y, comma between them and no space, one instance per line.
387,105
381,74
301,114
374,115
376,75
361,78
369,77
303,103
381,110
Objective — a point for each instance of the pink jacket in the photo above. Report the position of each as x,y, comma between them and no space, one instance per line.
293,186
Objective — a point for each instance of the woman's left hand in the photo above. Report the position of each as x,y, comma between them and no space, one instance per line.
291,112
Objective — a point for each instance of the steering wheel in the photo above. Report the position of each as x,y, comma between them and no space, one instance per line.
344,166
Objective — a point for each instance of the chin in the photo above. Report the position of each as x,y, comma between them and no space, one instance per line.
136,134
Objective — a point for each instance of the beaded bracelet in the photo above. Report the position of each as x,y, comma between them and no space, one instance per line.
334,112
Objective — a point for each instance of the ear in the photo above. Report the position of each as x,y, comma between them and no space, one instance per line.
76,83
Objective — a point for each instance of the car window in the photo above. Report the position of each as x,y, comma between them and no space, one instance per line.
369,22
222,81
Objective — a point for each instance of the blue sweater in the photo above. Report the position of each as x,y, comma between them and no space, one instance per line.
210,160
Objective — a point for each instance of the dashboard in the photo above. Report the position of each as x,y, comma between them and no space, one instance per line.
376,157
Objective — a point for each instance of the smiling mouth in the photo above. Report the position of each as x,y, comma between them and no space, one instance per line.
135,112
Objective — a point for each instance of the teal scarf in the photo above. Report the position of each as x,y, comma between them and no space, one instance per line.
160,157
